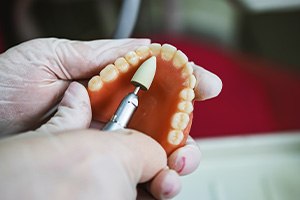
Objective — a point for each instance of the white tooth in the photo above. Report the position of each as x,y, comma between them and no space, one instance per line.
175,137
187,94
187,70
190,81
179,59
167,52
122,65
143,52
180,121
186,106
155,49
132,58
109,73
95,83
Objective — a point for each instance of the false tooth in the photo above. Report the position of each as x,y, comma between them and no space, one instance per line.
155,49
167,52
177,123
175,137
95,83
187,94
179,59
109,73
185,106
190,81
187,70
180,121
122,65
132,58
143,52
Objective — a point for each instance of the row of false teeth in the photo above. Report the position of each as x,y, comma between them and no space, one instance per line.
167,52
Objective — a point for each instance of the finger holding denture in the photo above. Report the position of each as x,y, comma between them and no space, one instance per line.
165,111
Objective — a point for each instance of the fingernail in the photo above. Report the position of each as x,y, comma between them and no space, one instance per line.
180,164
188,161
171,185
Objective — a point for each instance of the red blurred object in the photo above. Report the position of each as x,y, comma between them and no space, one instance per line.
257,96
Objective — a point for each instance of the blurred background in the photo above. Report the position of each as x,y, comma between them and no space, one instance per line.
268,28
252,45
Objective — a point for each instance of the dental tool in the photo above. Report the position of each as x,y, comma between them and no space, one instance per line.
142,79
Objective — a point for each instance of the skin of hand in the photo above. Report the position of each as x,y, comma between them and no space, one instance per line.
83,164
39,92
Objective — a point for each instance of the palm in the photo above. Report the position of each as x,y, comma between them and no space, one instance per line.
33,86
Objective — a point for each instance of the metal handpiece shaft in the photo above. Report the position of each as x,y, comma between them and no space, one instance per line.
142,79
123,114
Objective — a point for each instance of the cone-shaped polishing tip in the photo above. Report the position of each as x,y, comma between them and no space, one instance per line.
144,76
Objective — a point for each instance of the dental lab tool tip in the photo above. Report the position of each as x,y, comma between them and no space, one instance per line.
142,79
144,76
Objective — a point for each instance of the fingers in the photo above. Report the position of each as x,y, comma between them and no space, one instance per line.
146,157
208,85
165,185
73,112
93,164
183,161
80,60
186,159
140,156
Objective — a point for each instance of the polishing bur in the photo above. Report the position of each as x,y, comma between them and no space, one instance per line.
142,78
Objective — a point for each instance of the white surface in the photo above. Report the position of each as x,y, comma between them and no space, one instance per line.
256,168
265,5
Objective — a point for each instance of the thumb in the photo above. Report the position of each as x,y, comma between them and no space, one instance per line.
80,60
74,111
141,155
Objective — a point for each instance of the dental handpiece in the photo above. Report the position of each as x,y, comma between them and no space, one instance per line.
142,79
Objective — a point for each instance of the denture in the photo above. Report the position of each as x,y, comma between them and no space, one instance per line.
165,111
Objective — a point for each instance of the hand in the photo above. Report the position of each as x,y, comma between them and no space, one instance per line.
77,165
35,75
39,75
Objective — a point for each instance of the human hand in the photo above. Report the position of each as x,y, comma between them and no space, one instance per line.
36,74
85,164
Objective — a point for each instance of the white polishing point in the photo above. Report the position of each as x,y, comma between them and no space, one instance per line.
144,76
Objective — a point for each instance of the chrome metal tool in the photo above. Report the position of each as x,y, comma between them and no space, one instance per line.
142,79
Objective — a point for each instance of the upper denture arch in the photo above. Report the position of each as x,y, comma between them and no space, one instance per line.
165,110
